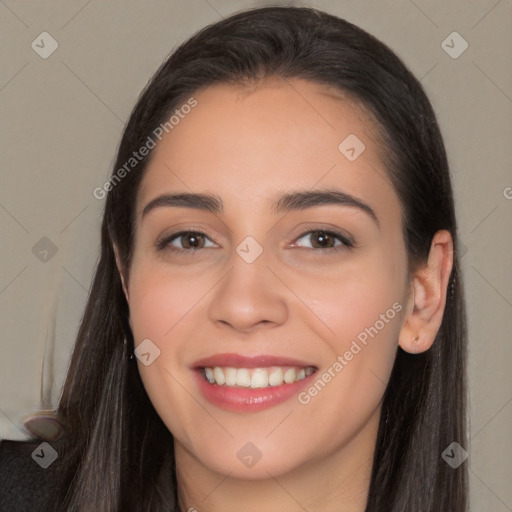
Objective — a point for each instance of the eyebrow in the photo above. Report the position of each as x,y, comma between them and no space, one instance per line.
297,200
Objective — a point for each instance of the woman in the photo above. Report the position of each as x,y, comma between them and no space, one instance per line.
276,321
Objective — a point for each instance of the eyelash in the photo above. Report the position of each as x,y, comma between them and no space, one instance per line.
346,243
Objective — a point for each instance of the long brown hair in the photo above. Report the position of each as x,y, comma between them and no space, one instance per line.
119,454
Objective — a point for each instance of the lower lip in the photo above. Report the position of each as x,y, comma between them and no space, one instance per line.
248,399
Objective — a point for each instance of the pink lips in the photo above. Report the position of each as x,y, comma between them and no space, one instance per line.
237,399
239,361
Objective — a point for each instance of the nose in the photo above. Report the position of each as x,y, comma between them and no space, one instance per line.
249,297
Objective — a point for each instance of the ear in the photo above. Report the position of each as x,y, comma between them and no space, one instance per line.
120,268
428,296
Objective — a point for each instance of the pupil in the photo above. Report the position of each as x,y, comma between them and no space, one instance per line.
194,239
323,237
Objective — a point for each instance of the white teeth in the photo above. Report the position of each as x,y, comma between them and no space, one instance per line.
276,377
218,375
256,377
289,375
259,379
209,375
243,378
230,374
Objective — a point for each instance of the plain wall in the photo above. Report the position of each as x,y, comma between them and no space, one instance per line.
62,119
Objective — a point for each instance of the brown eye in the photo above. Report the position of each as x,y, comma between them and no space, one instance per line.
192,241
326,240
189,241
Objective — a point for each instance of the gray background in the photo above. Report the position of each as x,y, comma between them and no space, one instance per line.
62,119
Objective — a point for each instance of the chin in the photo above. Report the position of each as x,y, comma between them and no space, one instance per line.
265,468
248,460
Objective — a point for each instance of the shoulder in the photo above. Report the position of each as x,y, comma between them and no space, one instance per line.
28,474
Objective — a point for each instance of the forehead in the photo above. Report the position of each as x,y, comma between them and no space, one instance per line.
246,142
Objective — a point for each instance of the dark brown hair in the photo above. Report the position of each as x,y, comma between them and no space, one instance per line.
119,454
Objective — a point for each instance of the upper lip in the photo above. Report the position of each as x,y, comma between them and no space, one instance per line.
254,361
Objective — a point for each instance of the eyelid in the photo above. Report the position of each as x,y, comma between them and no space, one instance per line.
164,241
347,241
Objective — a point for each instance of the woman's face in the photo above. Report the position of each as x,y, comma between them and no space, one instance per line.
259,295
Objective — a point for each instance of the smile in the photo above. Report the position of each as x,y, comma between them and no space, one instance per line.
251,383
256,377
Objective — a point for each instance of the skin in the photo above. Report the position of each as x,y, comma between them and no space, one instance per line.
249,145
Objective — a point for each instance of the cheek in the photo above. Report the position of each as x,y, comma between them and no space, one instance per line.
364,294
363,307
159,301
161,310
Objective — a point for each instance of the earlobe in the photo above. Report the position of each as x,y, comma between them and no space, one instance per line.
429,289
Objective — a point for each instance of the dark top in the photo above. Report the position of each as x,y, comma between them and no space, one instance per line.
26,474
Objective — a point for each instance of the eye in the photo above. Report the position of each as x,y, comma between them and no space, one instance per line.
322,240
190,240
325,240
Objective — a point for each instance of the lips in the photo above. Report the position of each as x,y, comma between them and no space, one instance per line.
256,361
250,383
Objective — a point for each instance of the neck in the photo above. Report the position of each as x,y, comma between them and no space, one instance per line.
337,481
